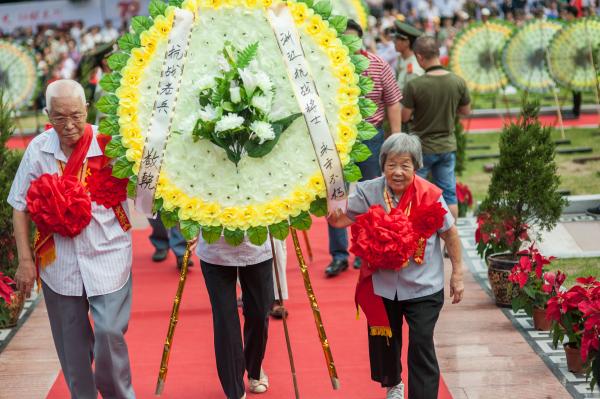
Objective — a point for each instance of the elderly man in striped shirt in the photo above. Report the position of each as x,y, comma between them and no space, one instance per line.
387,96
82,269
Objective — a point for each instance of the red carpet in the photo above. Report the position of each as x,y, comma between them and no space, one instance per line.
192,372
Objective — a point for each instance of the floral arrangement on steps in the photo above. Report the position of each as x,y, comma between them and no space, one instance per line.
535,286
465,199
575,314
11,302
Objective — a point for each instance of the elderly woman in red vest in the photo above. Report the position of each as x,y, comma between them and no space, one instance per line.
397,222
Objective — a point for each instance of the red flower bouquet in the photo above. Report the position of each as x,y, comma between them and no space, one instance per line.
6,288
464,197
59,204
384,241
105,189
426,220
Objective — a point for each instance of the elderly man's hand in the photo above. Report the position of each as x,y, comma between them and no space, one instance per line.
457,288
25,277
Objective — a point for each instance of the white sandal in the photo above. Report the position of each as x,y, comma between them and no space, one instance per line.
261,385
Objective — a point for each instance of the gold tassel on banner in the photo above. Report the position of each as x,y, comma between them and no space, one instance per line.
316,312
284,319
164,363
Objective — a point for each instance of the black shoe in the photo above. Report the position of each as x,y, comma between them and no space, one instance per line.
595,211
336,267
357,263
160,255
180,262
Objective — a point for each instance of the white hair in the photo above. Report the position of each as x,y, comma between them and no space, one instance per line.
64,88
402,143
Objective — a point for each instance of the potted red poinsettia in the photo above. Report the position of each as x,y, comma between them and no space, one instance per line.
590,341
573,315
465,199
535,286
11,302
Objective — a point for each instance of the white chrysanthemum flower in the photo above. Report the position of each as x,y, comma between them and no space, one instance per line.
234,93
206,82
223,64
229,122
263,103
208,113
263,130
264,82
249,80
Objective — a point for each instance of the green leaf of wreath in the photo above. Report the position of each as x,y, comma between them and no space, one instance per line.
257,235
132,186
117,61
189,229
176,3
247,55
256,150
108,104
323,8
280,230
360,152
366,85
114,148
309,3
367,107
157,205
109,125
301,222
366,131
339,23
352,172
319,207
233,237
122,168
111,82
141,23
211,234
361,63
354,43
156,8
128,42
169,218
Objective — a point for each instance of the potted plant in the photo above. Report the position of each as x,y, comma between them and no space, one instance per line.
465,199
522,193
576,315
9,163
536,286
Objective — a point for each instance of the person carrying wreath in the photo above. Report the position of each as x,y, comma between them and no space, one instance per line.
397,222
82,246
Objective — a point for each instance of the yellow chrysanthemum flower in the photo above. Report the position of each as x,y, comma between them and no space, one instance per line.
133,154
301,200
230,216
163,25
315,25
128,97
300,12
316,184
267,215
209,213
130,132
338,55
251,3
350,114
346,133
189,208
344,159
139,56
346,73
130,75
248,217
327,37
149,39
266,3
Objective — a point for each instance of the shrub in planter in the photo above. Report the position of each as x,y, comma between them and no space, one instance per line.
522,193
9,163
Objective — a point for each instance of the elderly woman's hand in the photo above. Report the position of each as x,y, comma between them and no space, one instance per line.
338,219
457,288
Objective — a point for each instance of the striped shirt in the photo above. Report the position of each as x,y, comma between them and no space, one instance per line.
385,89
99,258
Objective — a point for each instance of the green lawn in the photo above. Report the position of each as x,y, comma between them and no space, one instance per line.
579,179
577,267
496,100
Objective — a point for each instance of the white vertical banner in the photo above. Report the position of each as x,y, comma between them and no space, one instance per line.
310,104
163,110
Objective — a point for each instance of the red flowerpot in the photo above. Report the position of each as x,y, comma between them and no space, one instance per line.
574,361
540,322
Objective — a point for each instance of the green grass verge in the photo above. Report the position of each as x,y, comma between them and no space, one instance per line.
578,179
577,267
496,100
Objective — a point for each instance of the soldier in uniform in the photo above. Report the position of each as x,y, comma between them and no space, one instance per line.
407,67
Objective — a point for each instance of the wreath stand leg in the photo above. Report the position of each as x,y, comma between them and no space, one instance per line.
284,319
316,311
308,247
164,363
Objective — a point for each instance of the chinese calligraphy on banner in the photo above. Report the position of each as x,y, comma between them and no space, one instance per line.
164,106
311,106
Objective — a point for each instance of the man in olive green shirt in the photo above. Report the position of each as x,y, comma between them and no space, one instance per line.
430,103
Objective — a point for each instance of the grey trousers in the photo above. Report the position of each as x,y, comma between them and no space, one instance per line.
78,345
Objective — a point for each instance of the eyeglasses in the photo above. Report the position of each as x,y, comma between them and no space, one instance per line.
62,120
